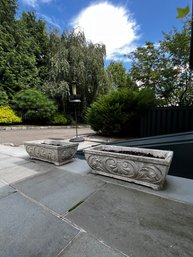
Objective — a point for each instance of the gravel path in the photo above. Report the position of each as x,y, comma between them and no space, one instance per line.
19,136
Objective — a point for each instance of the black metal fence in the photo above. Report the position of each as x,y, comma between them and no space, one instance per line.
166,120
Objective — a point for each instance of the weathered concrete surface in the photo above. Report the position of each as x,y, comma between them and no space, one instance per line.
86,245
77,166
59,190
175,188
14,151
27,230
15,169
5,189
130,219
137,223
8,162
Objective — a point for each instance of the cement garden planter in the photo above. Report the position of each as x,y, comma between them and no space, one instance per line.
54,151
147,167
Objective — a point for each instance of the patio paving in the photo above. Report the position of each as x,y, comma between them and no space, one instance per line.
137,223
59,190
28,230
49,211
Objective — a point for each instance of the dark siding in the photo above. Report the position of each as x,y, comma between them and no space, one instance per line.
166,120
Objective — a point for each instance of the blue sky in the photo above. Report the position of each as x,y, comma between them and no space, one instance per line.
121,25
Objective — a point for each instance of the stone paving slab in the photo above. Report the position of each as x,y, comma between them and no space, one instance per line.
13,174
87,246
175,188
11,162
5,190
17,169
59,190
28,230
18,151
137,223
76,166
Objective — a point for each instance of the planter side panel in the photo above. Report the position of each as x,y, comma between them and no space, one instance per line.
149,174
51,154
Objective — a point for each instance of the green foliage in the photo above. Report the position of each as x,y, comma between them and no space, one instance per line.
17,62
183,12
117,76
40,40
73,59
59,119
7,11
165,68
3,98
7,116
119,112
33,106
30,57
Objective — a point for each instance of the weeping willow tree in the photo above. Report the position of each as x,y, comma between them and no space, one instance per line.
73,59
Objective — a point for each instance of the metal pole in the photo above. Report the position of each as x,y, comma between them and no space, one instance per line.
76,138
76,120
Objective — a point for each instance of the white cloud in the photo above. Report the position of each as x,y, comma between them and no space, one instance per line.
111,25
34,3
51,21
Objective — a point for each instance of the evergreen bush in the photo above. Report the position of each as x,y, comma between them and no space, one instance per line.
33,106
59,119
119,112
3,98
7,116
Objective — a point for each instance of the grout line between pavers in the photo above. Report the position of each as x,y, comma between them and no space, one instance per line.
69,243
146,190
114,249
59,216
95,238
85,200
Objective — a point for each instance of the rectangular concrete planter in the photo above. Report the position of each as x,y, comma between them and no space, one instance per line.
54,151
147,167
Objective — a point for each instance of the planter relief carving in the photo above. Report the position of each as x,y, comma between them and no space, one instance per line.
54,151
139,165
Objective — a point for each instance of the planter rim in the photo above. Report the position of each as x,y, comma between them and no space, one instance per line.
160,153
47,145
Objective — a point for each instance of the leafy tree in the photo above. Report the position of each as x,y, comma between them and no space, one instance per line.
73,59
3,98
177,47
57,83
165,68
151,68
117,75
7,12
94,81
40,40
17,62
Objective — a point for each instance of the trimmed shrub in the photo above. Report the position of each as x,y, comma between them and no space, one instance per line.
59,119
7,116
119,112
33,106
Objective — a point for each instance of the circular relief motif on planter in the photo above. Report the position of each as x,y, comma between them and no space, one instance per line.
121,167
150,173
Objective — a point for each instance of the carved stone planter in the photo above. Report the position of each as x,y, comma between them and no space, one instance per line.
54,151
139,165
